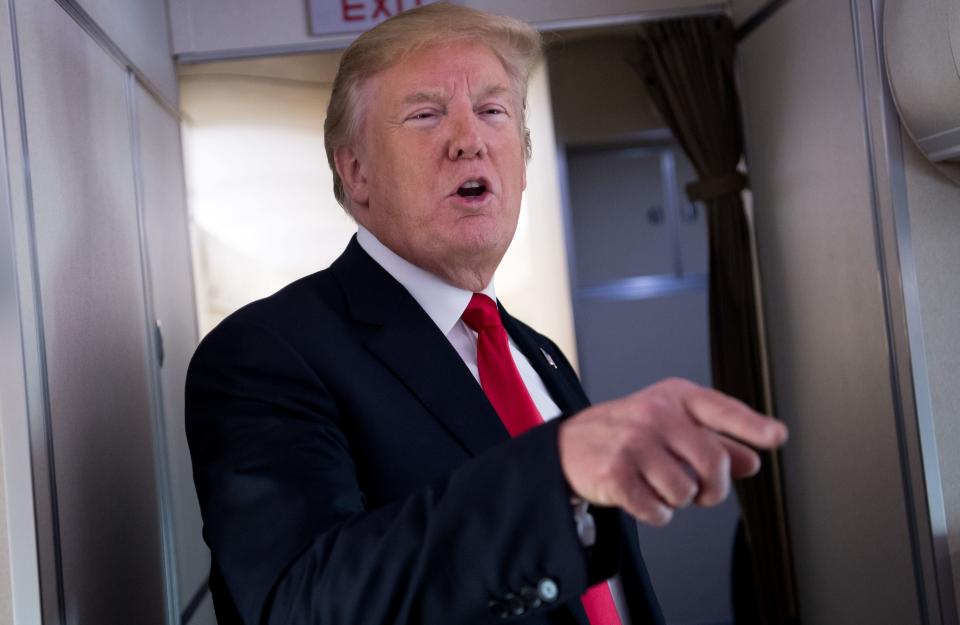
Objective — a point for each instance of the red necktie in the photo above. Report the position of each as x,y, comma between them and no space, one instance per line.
505,389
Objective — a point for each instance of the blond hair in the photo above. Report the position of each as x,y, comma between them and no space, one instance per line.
517,45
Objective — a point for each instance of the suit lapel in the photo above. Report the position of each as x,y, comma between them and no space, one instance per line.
416,351
546,362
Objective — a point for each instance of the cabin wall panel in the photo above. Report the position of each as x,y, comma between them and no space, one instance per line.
107,525
824,310
85,505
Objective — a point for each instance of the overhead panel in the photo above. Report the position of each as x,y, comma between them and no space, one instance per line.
216,29
921,42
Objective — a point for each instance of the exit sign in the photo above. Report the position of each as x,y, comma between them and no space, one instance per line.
333,17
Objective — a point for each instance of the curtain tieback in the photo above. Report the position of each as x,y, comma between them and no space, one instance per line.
713,187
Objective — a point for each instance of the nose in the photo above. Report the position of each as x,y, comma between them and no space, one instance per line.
466,140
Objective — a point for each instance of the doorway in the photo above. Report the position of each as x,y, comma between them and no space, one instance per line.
638,266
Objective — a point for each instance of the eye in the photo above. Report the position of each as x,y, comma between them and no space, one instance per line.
422,116
492,111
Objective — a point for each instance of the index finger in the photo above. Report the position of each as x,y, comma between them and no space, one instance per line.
724,414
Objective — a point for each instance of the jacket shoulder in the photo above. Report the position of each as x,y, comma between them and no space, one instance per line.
308,302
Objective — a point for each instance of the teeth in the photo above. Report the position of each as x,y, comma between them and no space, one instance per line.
473,184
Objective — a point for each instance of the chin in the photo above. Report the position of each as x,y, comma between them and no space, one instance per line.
482,241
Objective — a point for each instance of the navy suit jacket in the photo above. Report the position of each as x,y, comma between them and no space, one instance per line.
350,469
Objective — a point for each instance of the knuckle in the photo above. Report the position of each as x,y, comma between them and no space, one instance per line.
714,497
647,507
678,498
636,439
657,516
689,492
609,470
729,413
653,411
677,384
676,489
714,491
716,461
615,465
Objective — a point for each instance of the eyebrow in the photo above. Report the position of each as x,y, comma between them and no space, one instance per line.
493,90
419,97
440,97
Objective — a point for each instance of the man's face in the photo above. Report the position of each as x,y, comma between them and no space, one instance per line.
439,172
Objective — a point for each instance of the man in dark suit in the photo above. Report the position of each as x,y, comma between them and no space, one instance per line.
380,442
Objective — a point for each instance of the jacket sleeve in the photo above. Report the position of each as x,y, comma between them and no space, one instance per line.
289,531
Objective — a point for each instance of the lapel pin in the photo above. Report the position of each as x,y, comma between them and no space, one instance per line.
549,359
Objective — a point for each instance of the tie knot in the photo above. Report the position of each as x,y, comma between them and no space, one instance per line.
481,312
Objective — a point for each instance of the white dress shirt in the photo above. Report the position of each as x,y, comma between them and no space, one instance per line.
445,304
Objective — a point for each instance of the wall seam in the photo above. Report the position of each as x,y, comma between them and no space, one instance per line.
897,397
758,17
90,26
153,364
23,573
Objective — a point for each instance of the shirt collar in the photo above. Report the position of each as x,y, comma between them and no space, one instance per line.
443,302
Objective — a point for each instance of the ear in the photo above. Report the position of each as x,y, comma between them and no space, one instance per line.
353,174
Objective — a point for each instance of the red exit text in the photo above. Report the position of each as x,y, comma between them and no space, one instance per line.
355,11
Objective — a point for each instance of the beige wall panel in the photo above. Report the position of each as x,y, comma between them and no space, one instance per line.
825,317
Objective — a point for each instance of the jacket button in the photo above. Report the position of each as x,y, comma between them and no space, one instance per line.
530,597
548,590
499,610
514,605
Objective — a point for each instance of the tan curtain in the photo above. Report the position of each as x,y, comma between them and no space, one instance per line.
687,66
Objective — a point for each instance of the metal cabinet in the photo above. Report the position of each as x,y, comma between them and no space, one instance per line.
619,213
630,215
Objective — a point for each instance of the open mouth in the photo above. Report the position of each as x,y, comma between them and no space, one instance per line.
472,188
